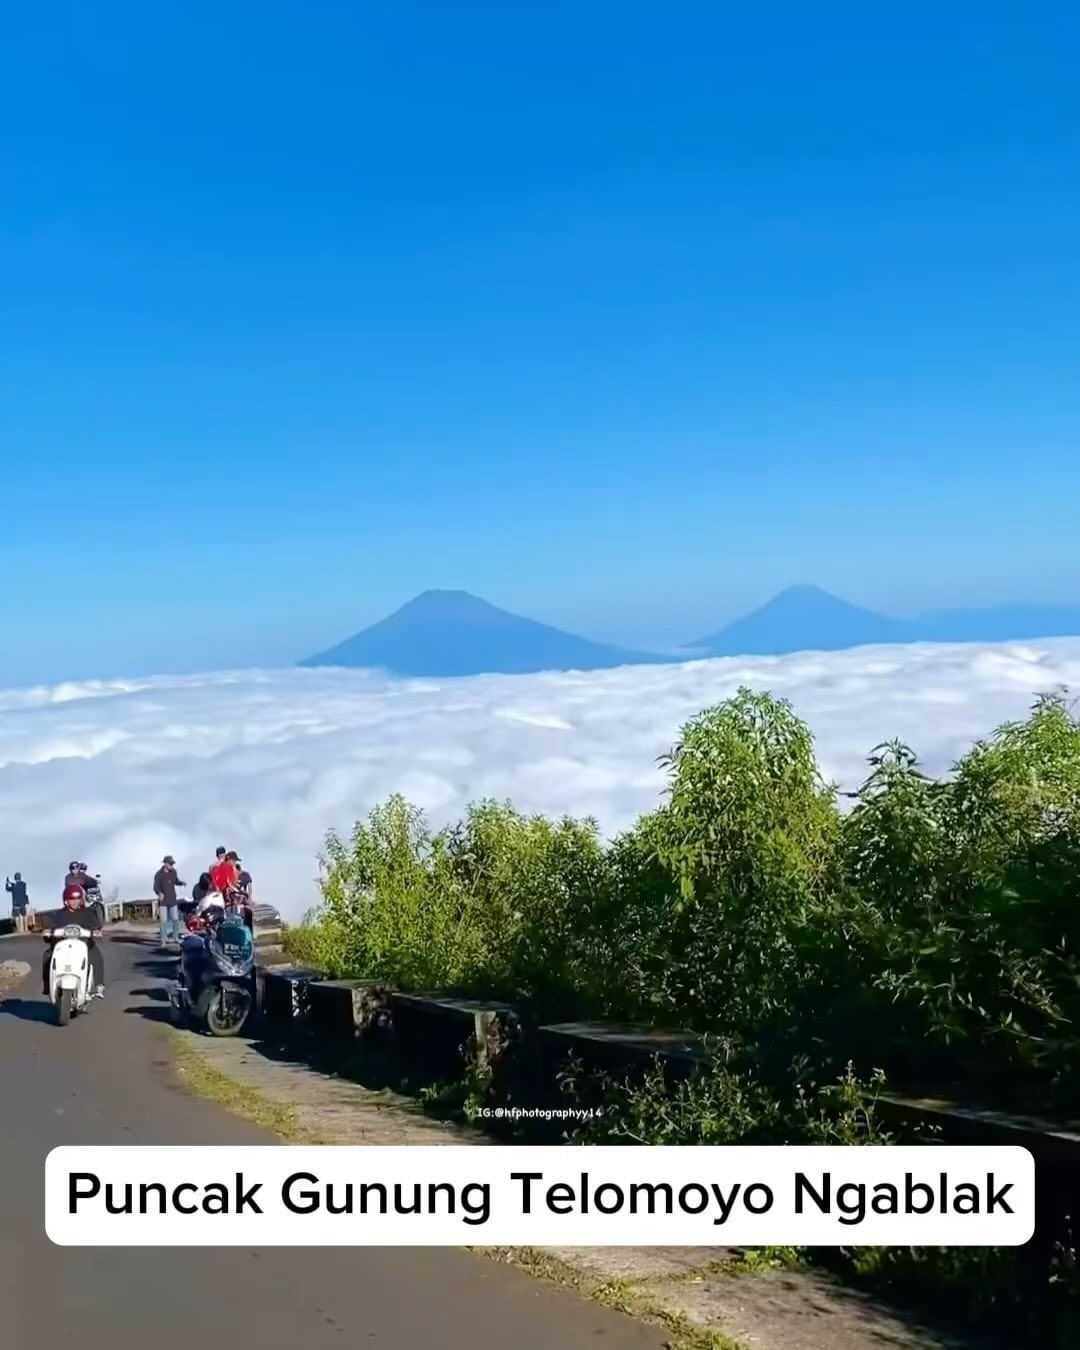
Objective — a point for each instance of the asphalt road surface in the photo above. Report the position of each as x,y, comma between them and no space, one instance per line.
104,1080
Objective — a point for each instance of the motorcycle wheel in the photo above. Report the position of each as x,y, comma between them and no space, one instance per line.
226,1016
63,1007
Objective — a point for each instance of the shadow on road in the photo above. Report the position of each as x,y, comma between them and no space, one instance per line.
156,993
152,1012
157,968
131,939
28,1010
376,1068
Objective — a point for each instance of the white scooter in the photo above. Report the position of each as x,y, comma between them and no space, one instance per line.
71,979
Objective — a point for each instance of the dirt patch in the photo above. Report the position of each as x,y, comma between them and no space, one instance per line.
796,1309
12,973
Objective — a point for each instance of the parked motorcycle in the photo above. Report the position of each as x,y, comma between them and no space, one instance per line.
215,981
71,979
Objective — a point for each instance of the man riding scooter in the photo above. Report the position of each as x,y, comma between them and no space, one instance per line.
89,916
79,875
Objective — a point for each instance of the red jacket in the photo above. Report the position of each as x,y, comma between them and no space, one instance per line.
223,875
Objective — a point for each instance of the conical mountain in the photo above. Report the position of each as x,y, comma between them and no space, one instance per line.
804,618
455,633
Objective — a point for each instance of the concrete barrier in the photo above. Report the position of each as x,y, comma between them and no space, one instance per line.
442,1033
269,937
344,1012
615,1047
282,995
139,911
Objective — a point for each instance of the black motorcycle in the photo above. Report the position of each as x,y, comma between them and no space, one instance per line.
215,981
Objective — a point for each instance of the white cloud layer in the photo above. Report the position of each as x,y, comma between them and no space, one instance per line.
120,772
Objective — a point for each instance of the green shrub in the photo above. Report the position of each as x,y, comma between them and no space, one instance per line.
727,1101
930,934
932,930
499,903
962,903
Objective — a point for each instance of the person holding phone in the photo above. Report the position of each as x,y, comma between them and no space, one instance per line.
20,899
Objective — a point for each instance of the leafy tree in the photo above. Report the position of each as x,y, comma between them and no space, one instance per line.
746,838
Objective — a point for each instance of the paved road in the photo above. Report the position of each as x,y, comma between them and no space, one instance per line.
104,1080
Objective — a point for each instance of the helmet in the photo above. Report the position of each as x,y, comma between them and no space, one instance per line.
73,896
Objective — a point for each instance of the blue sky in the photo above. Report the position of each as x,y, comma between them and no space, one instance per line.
620,315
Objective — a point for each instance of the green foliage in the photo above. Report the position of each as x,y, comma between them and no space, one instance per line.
495,904
930,935
755,1259
749,820
981,1284
708,899
932,930
962,907
312,943
728,1101
461,1098
746,837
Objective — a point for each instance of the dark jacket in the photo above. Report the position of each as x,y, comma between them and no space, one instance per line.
165,884
17,891
88,916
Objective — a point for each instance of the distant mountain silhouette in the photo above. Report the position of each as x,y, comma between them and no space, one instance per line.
806,618
803,618
455,633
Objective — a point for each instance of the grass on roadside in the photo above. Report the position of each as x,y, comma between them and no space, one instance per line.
619,1295
201,1078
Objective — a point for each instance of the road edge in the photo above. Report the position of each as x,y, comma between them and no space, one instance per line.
194,1072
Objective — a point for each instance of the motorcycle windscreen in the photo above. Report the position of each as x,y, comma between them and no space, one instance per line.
234,939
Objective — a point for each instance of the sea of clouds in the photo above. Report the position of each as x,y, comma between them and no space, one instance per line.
119,772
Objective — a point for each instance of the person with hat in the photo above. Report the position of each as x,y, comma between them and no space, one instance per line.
166,884
225,872
243,889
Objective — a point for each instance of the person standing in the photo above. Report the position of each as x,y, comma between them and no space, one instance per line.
166,883
20,900
244,884
225,872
